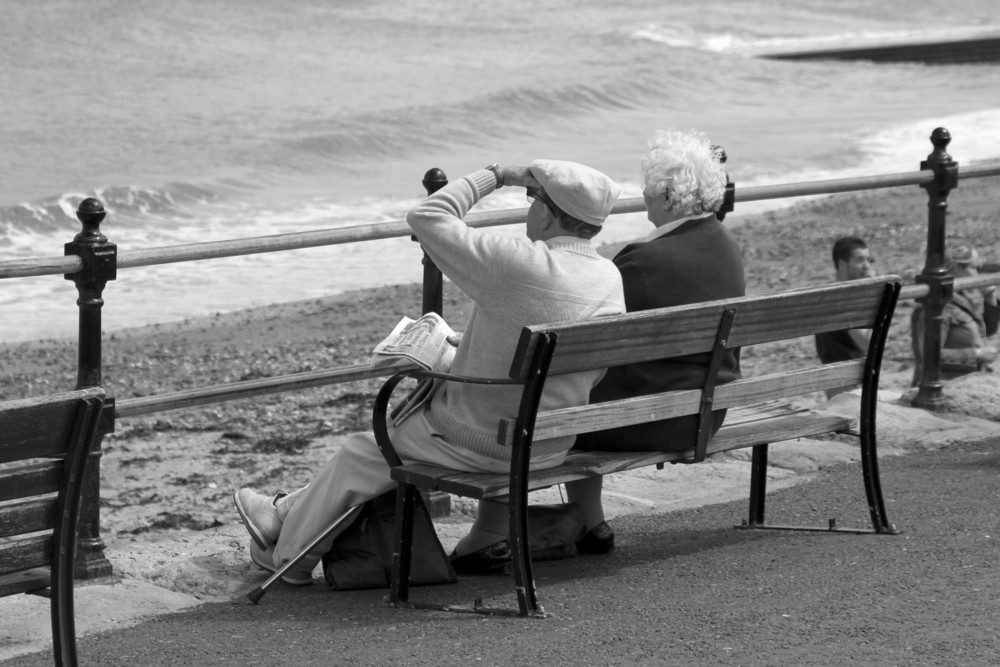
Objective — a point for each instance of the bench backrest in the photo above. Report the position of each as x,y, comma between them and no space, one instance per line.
696,329
45,444
46,429
673,332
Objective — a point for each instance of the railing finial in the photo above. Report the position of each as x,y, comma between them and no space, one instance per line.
434,180
940,138
91,214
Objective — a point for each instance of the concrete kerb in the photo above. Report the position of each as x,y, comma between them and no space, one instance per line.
165,573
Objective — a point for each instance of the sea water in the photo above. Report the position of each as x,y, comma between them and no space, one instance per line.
199,121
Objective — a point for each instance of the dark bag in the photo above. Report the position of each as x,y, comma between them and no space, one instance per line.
361,556
553,530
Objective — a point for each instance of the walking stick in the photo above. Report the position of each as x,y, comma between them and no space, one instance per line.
256,594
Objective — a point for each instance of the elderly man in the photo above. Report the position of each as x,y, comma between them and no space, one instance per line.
690,257
553,274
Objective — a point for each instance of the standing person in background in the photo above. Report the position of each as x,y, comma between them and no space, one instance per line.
689,257
554,274
967,340
852,261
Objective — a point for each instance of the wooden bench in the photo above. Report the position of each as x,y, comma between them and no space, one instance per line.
758,414
45,445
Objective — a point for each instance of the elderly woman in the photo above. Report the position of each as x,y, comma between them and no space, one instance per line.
967,321
689,257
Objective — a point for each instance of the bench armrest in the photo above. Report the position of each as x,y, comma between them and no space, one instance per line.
380,410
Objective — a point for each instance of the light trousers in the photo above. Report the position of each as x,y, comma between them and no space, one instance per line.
358,473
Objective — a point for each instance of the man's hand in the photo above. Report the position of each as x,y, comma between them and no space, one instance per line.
519,177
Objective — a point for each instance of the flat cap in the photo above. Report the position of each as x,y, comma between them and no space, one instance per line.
579,190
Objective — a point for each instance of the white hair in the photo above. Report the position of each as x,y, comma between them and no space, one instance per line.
687,168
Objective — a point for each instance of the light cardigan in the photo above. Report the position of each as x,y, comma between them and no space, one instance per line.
514,282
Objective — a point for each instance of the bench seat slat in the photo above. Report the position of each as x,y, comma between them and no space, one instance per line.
24,581
613,414
745,430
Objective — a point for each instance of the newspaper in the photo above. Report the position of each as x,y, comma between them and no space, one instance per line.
424,341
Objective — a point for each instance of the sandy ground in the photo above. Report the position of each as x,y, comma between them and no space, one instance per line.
167,479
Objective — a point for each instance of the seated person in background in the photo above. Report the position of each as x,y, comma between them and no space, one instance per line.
965,345
991,307
852,261
553,274
690,257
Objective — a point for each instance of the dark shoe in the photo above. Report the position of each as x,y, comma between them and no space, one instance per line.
494,559
599,540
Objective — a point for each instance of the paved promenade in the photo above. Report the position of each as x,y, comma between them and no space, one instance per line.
683,587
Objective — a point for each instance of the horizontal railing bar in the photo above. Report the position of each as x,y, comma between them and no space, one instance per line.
40,266
920,290
762,192
397,228
914,291
144,405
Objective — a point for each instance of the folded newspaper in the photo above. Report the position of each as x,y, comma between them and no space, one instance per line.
424,341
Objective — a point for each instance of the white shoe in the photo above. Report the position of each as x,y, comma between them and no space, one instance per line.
264,559
260,516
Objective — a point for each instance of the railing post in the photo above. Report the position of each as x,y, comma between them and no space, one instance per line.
434,180
100,263
935,274
438,503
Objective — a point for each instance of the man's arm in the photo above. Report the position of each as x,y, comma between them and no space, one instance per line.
474,260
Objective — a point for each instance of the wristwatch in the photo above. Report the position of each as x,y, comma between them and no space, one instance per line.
495,168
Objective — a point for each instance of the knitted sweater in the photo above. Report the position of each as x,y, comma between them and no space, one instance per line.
514,283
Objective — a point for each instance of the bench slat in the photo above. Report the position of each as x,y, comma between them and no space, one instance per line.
30,480
613,414
672,332
23,439
26,553
27,517
747,429
24,581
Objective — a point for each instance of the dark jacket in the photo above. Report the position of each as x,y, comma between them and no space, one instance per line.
698,261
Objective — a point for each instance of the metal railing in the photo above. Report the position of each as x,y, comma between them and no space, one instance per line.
90,261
